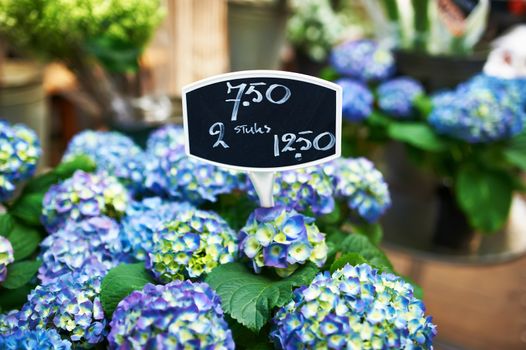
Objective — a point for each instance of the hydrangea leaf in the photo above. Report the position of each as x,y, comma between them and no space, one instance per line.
348,258
11,299
485,197
20,273
6,224
120,282
24,239
28,208
372,231
250,298
418,135
515,152
360,244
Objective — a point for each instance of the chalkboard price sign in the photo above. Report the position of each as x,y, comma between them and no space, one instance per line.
262,120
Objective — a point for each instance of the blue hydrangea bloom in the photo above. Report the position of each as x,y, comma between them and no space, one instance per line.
482,110
9,322
71,305
142,219
396,96
93,241
178,315
357,100
363,60
19,154
191,245
361,185
356,307
41,339
114,153
82,196
6,257
165,139
281,239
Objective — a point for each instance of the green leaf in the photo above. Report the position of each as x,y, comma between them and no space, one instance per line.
6,224
329,73
356,243
244,338
250,298
20,273
372,231
348,258
24,239
377,118
418,135
28,208
423,104
120,282
485,196
11,299
515,152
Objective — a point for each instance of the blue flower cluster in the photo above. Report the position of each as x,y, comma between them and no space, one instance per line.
82,196
482,110
355,308
363,60
94,241
357,100
396,96
166,139
361,185
6,257
179,315
69,304
142,219
113,153
19,154
40,339
282,239
191,245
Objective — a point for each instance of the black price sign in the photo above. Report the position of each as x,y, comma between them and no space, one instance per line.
263,120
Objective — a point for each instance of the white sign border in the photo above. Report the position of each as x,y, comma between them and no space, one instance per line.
266,74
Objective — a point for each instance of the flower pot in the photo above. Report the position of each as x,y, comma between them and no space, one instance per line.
438,72
256,33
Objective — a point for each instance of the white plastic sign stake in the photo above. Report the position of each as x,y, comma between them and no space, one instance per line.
262,122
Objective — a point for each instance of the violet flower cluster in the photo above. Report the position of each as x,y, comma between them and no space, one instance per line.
19,154
356,307
144,218
396,96
6,257
179,315
191,245
94,241
361,185
281,239
357,100
82,196
39,339
166,139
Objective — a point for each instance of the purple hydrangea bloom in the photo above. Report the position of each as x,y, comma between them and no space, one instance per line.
191,245
40,339
281,239
19,154
178,315
93,241
396,96
356,307
481,110
363,60
71,305
142,219
166,139
114,153
357,100
361,185
6,257
9,322
82,196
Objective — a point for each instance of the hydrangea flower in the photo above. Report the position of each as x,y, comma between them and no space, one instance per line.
6,257
364,60
142,219
302,189
178,315
40,339
70,304
282,239
479,111
361,185
191,245
93,241
356,308
165,139
113,153
357,100
19,154
9,322
82,196
396,97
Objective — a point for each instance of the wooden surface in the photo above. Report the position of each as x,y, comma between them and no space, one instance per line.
475,307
